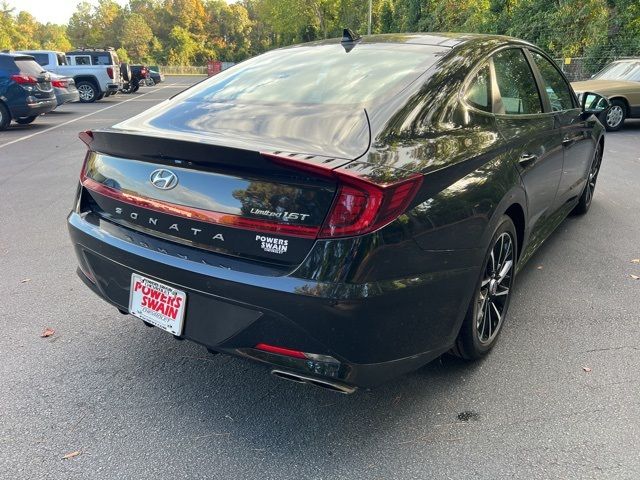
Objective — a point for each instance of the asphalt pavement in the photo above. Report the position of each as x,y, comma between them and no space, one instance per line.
558,398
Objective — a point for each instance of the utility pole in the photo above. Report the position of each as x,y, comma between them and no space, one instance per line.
369,29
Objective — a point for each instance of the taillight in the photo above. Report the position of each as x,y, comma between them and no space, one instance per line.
87,137
360,206
60,83
24,79
110,72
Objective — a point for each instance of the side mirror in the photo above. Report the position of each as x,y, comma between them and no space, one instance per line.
593,103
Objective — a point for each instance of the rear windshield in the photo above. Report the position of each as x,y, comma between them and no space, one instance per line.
29,67
629,71
321,74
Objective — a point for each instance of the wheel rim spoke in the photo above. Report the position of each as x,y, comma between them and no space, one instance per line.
495,288
505,270
503,292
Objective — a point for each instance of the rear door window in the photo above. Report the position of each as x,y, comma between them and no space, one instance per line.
83,60
101,59
479,91
516,83
556,87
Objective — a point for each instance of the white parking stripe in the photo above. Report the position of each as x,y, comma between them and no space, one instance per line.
85,116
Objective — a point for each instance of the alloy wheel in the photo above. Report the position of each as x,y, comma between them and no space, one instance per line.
495,288
615,116
593,175
86,92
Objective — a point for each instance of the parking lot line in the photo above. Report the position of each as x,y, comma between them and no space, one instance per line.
80,118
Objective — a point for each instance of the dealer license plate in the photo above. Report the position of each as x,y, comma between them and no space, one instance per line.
157,303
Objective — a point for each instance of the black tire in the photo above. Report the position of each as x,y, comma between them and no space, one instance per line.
26,120
135,88
125,72
616,114
88,91
100,96
584,203
5,117
490,304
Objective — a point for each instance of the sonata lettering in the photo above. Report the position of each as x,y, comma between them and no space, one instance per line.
176,227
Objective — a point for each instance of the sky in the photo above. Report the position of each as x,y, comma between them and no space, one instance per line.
55,11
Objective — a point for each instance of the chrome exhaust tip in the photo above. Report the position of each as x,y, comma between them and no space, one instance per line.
318,382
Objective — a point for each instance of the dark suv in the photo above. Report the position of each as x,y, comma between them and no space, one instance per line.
25,90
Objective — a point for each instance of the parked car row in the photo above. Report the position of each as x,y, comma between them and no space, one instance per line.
37,81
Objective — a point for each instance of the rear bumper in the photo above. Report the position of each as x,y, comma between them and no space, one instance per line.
33,107
376,332
67,97
113,87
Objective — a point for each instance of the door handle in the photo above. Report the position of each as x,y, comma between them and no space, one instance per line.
527,159
567,142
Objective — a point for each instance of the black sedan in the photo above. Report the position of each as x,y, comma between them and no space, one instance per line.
342,211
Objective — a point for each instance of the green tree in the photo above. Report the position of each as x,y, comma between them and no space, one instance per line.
81,29
136,37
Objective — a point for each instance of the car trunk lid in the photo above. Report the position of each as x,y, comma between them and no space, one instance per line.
222,191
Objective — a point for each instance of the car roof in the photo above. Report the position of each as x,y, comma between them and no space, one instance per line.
447,40
16,56
39,51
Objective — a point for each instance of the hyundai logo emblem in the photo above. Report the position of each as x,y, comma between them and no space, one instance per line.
163,179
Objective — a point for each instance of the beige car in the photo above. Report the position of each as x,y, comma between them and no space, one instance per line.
619,81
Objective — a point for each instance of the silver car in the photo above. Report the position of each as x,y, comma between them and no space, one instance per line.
64,88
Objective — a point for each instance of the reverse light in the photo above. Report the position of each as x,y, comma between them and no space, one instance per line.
287,352
360,206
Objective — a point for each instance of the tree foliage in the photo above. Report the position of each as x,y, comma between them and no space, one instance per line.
192,31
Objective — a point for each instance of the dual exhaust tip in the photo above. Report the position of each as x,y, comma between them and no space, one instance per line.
318,382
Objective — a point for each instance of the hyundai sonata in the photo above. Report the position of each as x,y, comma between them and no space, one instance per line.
341,211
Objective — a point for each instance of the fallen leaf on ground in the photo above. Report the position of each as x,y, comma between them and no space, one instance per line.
47,332
635,260
635,277
72,454
539,267
25,280
586,369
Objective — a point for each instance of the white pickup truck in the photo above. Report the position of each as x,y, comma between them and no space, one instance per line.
93,81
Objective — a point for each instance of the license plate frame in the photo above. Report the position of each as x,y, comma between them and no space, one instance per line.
157,303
